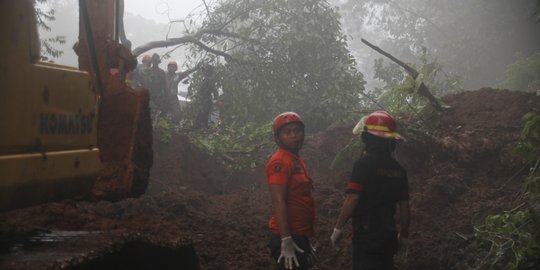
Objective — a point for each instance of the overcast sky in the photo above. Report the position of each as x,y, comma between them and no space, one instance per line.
157,9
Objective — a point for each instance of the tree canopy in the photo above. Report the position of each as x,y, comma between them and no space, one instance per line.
274,56
284,56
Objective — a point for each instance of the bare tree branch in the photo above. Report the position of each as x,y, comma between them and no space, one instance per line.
216,52
176,41
195,38
422,89
397,6
207,9
160,44
182,75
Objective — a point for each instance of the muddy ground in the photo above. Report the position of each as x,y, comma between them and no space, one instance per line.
459,173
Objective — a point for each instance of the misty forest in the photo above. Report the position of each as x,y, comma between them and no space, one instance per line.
461,79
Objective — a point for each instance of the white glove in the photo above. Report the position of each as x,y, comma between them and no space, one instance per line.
288,249
336,235
403,249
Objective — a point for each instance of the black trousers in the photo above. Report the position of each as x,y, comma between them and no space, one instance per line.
302,242
373,253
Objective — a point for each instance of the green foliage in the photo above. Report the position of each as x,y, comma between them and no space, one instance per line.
402,97
43,17
241,147
529,147
292,56
511,241
532,182
164,129
399,93
529,144
524,74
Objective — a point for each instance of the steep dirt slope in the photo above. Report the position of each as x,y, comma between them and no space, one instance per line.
470,172
463,172
458,175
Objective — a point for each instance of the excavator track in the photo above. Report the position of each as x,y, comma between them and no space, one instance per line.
52,250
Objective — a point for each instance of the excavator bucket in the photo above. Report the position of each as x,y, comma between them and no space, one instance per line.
125,143
124,124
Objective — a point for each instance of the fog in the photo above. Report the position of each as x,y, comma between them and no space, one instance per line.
474,39
144,21
470,38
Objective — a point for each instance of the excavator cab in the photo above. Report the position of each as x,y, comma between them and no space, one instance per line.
67,132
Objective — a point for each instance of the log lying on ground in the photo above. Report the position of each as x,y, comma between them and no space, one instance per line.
422,89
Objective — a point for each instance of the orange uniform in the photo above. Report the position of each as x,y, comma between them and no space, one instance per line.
285,168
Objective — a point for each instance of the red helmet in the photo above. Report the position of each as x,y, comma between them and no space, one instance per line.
146,58
378,123
172,62
286,118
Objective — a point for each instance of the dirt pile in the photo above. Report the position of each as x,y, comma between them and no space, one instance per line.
459,174
468,171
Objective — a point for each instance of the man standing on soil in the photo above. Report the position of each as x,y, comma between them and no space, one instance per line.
156,86
378,183
293,205
172,79
206,93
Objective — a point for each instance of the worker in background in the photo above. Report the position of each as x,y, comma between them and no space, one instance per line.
156,86
207,92
139,77
293,205
378,183
172,79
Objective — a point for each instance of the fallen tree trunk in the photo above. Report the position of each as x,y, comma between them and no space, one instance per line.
422,89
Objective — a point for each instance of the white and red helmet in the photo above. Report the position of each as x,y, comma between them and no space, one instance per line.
378,123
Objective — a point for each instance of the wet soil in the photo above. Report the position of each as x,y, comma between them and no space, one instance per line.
460,171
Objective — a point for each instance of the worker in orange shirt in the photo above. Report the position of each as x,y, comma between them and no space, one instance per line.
293,205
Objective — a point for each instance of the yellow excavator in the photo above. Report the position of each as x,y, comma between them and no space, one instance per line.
68,132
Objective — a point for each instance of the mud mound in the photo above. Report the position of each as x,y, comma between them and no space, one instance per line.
180,165
468,171
487,109
457,176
